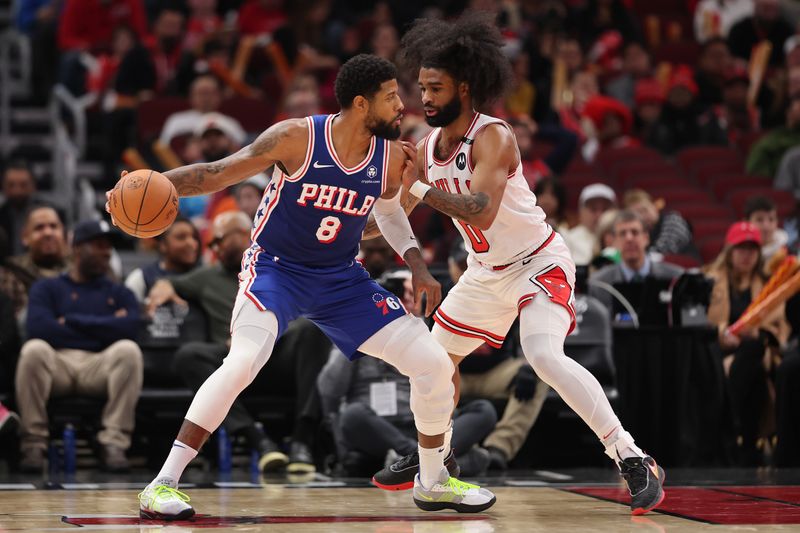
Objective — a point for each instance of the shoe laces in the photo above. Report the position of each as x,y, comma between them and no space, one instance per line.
165,490
459,487
408,460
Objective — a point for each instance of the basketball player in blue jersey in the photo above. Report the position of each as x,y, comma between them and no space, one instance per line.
469,168
331,172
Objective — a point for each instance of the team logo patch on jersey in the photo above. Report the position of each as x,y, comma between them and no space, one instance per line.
372,171
461,161
384,304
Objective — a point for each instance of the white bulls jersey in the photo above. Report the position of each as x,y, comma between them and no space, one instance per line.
519,227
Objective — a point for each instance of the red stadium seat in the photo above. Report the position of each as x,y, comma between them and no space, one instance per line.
784,200
643,168
656,181
690,157
677,197
705,211
710,248
722,185
706,228
254,114
703,172
610,158
685,261
151,115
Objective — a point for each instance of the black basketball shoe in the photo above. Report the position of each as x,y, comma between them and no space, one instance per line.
645,482
400,475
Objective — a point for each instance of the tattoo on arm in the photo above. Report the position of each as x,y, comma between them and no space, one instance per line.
203,178
463,207
191,180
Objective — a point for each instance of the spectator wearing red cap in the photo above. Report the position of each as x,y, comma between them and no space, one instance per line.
612,122
678,124
734,118
750,358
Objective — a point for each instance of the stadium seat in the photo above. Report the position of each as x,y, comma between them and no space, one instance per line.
705,211
151,115
254,114
710,248
706,228
724,184
705,171
655,180
608,159
641,167
784,200
685,261
690,157
677,197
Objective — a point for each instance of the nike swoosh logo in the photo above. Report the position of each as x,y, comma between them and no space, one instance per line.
430,166
526,261
317,165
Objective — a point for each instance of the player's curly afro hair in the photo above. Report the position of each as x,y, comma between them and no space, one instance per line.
469,49
362,75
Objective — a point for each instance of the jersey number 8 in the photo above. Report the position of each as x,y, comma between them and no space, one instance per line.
329,228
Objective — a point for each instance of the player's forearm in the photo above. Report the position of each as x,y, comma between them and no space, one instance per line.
414,260
198,179
371,230
474,209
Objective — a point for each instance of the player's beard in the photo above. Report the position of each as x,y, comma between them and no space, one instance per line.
446,114
383,129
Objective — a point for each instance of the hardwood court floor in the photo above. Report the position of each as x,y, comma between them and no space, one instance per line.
294,509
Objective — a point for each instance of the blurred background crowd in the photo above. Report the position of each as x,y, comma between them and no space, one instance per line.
661,137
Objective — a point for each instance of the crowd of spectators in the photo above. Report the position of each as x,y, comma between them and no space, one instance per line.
182,82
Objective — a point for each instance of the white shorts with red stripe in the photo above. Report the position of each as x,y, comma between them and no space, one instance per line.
484,303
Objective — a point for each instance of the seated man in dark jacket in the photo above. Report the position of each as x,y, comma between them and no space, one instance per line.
80,325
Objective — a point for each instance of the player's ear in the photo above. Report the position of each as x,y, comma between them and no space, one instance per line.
463,89
361,104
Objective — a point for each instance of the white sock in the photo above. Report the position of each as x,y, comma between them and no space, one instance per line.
180,455
431,464
619,445
448,435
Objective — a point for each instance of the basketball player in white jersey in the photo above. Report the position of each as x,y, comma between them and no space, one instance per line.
469,168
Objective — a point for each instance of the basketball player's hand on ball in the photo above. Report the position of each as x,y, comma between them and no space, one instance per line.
108,199
424,283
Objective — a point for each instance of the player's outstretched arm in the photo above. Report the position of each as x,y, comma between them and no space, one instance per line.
494,153
283,143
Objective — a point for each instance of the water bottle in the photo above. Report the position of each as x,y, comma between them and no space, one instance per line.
225,452
69,449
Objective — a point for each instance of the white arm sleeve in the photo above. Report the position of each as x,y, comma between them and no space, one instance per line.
394,225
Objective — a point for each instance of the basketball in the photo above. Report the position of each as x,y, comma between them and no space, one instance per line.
144,203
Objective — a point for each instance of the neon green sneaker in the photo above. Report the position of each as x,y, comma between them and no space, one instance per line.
451,493
162,502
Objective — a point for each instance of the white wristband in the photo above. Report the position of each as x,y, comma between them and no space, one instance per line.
419,189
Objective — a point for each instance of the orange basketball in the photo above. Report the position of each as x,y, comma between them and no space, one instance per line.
144,203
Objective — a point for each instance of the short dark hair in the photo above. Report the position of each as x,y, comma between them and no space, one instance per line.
758,203
19,164
626,215
362,75
469,49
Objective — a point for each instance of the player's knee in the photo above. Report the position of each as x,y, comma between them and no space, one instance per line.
544,353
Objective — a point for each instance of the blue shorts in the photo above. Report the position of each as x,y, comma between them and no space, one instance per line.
346,304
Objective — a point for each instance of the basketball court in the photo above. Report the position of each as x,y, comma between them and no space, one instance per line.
569,500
